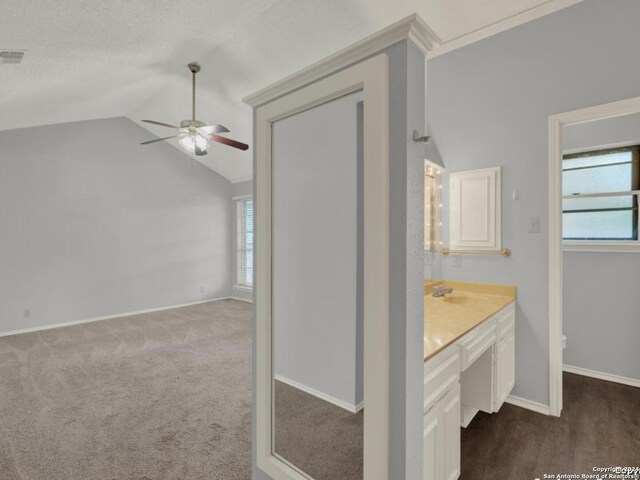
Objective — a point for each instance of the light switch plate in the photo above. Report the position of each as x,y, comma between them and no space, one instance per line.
534,225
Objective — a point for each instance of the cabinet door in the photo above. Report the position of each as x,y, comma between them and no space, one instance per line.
432,448
505,369
450,415
474,208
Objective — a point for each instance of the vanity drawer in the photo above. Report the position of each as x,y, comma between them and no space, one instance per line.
476,342
440,374
506,320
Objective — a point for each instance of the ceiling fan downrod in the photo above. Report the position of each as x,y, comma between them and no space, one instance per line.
194,68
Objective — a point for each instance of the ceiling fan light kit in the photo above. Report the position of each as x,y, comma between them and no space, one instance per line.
195,136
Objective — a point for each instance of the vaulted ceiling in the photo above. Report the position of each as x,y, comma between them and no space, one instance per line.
109,58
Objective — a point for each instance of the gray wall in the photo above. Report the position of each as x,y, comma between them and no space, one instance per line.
406,302
489,105
602,312
239,189
93,224
601,306
603,133
315,210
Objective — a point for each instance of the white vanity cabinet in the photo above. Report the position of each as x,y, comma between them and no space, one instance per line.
441,444
504,357
475,373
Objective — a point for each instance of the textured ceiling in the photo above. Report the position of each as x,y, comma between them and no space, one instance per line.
105,58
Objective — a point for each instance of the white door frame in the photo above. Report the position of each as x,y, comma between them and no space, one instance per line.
370,76
556,124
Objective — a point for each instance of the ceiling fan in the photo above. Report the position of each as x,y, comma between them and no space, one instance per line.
195,136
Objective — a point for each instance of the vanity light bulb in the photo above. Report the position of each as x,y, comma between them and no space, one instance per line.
439,187
440,205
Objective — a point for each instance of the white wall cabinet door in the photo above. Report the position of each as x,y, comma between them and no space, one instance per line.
475,209
505,369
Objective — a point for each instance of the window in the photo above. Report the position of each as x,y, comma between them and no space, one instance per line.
600,195
245,242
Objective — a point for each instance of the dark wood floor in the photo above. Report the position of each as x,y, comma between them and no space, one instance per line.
599,426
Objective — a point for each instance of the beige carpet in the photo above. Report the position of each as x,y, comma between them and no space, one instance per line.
157,396
321,439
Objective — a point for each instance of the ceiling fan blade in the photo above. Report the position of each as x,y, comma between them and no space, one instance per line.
229,141
160,123
158,140
210,129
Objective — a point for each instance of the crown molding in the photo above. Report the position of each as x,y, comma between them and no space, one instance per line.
508,23
410,28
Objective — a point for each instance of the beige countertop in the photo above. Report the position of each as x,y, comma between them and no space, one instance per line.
448,318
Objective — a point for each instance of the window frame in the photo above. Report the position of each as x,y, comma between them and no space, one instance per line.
615,245
241,247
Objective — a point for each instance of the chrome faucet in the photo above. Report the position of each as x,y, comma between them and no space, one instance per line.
440,291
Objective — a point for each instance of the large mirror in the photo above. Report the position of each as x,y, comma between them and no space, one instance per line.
317,290
322,278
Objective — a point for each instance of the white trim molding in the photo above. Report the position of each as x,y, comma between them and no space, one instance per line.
240,299
609,377
410,28
350,407
557,123
241,197
243,288
110,317
500,26
528,404
632,246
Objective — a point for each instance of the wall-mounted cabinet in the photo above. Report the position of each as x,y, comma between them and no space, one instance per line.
475,206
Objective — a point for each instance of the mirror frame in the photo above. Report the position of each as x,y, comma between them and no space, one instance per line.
372,77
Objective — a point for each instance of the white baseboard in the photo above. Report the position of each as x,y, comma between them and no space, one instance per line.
322,396
109,317
528,404
609,377
240,299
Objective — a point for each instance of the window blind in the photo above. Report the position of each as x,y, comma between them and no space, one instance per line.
245,242
600,195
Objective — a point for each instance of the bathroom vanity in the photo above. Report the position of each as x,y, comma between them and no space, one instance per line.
469,353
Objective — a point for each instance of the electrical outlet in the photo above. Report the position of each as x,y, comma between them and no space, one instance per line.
457,261
26,313
534,225
201,289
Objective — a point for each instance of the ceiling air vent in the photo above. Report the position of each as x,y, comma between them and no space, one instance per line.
11,56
